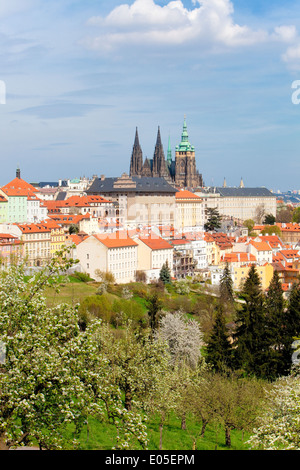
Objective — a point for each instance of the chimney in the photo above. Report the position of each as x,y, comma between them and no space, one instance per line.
102,177
18,173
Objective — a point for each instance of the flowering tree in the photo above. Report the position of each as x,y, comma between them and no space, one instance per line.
183,336
53,374
279,427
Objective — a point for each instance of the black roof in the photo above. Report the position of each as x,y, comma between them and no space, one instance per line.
143,184
61,196
51,184
243,192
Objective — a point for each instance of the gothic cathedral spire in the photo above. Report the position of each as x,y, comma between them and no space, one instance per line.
136,163
159,162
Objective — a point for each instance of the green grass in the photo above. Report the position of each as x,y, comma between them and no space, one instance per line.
70,293
102,436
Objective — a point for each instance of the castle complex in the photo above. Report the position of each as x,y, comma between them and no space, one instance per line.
182,172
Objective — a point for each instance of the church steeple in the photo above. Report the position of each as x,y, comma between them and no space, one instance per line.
184,145
186,174
159,162
136,163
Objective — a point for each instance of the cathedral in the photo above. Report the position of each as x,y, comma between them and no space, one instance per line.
181,173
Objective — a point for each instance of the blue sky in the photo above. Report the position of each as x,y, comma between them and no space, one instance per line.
81,75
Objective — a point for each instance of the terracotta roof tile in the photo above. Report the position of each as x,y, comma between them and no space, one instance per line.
116,240
155,242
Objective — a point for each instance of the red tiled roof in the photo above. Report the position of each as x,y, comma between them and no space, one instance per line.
76,238
184,194
116,240
238,257
67,219
289,227
179,241
155,243
260,246
33,228
7,235
18,187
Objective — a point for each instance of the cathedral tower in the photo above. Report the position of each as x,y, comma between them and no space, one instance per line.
136,163
159,162
186,175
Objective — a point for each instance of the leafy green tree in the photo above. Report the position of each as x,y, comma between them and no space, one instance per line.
213,219
251,346
226,285
165,274
73,229
271,229
154,306
237,403
225,400
218,349
53,374
136,362
278,425
269,219
249,224
199,401
296,215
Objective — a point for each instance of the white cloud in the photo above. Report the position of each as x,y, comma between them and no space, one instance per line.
144,22
285,33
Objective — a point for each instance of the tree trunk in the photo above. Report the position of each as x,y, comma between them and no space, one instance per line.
204,424
183,422
227,436
128,399
3,445
160,435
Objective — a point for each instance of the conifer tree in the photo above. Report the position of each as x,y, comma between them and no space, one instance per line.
218,346
226,285
213,220
275,316
165,273
250,339
291,327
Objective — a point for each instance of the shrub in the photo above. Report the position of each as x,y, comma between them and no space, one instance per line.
82,277
128,309
96,306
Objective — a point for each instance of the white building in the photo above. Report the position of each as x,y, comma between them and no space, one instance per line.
114,252
36,210
153,253
240,203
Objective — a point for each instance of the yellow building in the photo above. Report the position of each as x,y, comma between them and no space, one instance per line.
36,243
57,236
213,251
189,211
264,272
